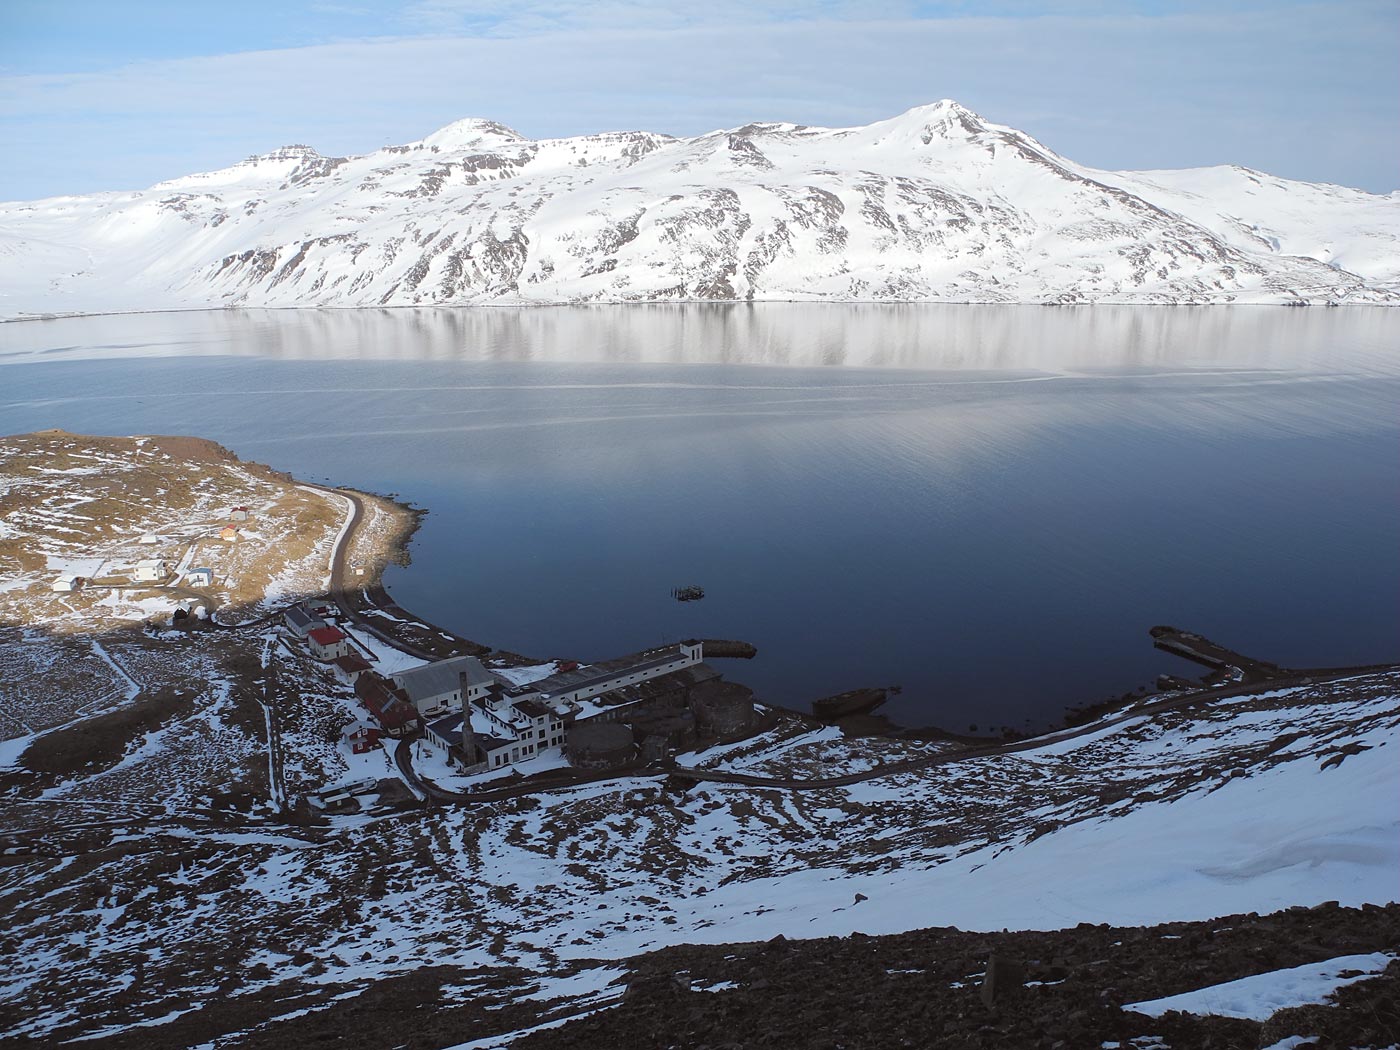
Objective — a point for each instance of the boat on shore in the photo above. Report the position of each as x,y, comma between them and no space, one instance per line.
852,702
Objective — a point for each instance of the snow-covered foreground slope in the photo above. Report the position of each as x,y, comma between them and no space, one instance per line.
935,204
1245,804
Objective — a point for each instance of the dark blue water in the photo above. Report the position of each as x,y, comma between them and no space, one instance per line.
994,530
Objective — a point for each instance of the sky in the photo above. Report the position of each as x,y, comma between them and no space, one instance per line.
119,94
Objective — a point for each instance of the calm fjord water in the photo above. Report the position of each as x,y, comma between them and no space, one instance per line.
986,505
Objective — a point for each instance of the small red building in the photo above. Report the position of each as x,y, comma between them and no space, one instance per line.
364,738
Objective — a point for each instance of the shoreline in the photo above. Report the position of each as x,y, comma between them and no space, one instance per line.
381,528
725,303
1254,675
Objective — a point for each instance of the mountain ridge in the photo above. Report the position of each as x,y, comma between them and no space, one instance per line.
935,204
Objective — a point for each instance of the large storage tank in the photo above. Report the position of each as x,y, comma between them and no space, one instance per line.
599,745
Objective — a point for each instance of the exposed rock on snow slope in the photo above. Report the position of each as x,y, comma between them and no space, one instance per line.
935,204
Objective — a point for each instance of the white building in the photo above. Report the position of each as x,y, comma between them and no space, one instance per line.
67,582
328,643
301,622
200,578
571,689
493,743
537,725
515,723
348,668
438,687
152,570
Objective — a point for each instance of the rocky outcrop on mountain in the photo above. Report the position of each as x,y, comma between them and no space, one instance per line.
936,204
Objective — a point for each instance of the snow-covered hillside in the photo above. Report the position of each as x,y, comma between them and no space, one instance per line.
1289,796
935,204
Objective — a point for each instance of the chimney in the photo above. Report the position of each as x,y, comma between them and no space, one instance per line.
468,735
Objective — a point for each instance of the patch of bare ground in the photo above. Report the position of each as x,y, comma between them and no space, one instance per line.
96,506
47,680
99,742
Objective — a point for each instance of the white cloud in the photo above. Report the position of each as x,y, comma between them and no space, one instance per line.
1312,95
532,17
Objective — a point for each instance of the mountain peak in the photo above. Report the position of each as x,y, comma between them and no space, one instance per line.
295,151
945,119
472,133
943,115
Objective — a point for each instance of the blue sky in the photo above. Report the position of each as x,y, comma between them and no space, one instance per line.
123,93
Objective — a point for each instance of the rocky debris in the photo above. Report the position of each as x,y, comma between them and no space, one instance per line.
949,988
1002,981
1336,758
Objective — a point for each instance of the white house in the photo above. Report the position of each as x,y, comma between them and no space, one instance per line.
328,643
152,570
200,578
300,622
67,582
348,668
437,687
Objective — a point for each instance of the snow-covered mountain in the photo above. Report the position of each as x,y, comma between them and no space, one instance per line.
935,204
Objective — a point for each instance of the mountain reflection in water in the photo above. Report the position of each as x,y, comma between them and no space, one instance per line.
986,505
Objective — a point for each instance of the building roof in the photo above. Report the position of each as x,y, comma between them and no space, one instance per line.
442,677
326,635
150,563
299,617
531,708
601,674
386,703
650,689
489,743
352,662
448,726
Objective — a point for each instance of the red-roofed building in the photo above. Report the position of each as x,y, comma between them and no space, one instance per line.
348,668
390,707
328,643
